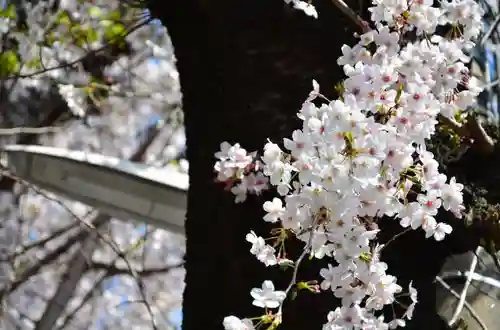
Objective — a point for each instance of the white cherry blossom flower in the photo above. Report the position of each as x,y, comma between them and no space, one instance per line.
267,297
264,253
274,210
234,323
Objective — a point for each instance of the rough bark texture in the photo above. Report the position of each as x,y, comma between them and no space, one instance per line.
246,66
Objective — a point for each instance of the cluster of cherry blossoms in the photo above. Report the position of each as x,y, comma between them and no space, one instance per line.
361,158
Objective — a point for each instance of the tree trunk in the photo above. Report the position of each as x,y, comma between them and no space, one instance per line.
246,67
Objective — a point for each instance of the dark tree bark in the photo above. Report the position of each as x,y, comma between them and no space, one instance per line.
246,67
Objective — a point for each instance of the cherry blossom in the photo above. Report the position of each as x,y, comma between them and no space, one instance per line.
364,156
267,297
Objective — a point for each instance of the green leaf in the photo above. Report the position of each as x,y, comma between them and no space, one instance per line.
115,31
33,63
50,38
114,16
9,11
63,19
83,34
348,137
174,162
106,23
92,35
366,257
399,93
339,88
9,63
95,11
115,34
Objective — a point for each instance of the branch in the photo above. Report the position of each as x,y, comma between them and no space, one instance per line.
463,295
86,298
77,267
79,264
55,234
362,24
453,124
78,60
29,130
455,294
47,260
490,31
477,132
113,270
473,130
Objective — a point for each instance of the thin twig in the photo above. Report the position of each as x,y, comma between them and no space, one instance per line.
56,234
463,295
53,255
471,310
30,130
297,265
492,28
393,238
475,277
80,59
